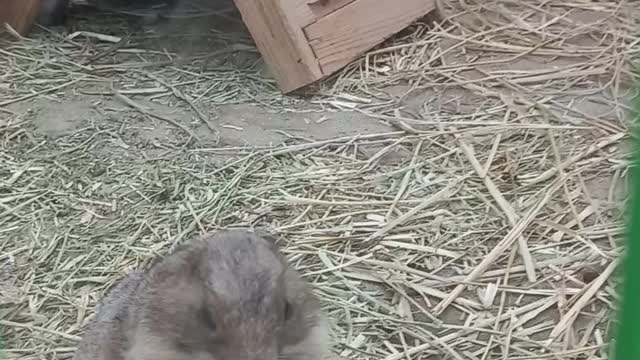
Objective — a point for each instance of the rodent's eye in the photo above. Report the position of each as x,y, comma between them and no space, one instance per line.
288,310
183,346
206,318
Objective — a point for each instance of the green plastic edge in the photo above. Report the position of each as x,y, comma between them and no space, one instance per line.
627,337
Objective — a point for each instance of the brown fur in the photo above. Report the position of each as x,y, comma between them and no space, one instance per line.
229,296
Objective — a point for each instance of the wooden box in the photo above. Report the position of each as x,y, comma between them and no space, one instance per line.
19,14
303,41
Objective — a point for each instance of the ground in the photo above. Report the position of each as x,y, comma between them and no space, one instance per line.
455,194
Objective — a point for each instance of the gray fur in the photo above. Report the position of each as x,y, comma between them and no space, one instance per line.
220,298
52,12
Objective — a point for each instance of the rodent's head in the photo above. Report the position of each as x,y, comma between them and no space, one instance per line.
231,296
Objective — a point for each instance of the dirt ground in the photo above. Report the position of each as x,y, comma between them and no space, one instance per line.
458,195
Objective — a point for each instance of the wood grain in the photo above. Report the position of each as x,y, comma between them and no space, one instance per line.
19,14
281,43
347,33
307,12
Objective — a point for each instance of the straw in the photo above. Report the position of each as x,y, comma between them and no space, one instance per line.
481,220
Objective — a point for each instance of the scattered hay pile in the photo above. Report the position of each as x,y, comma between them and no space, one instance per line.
496,237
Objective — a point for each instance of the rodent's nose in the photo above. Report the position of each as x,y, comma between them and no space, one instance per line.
265,355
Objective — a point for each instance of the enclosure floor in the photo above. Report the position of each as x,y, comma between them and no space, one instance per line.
455,194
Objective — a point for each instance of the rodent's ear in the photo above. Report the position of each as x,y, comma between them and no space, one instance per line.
267,234
177,265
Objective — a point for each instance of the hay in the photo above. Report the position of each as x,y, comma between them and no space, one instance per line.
497,238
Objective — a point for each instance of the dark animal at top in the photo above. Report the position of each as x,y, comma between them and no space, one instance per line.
139,8
52,12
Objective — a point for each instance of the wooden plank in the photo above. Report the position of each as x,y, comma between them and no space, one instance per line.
342,36
309,11
281,43
20,14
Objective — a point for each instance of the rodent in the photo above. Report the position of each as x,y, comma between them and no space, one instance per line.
52,12
138,8
229,295
23,13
